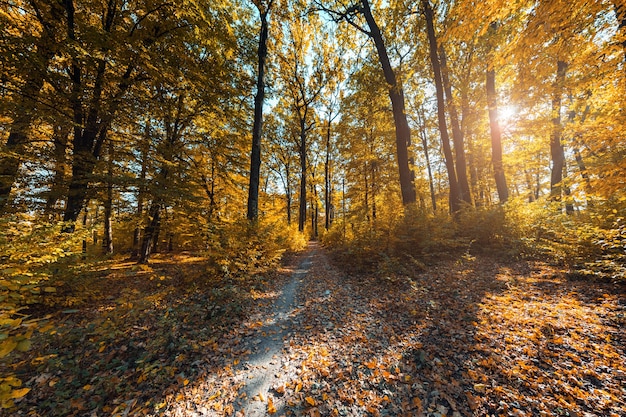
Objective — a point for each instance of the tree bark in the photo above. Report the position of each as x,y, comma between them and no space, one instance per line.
257,129
557,151
367,194
328,192
91,121
396,95
424,139
302,151
141,191
496,137
465,194
441,112
151,232
107,241
288,193
57,188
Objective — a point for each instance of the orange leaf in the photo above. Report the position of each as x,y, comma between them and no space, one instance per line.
417,402
270,406
310,400
371,364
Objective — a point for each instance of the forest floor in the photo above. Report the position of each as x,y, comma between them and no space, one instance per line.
467,336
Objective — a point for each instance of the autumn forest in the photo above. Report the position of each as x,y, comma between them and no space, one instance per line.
312,208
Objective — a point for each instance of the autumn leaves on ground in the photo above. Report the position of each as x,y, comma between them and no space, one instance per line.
461,335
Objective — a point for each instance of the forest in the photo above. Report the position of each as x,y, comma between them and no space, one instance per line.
417,207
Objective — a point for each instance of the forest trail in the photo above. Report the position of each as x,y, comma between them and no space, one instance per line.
465,337
265,368
460,336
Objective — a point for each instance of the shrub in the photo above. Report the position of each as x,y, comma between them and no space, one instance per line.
30,252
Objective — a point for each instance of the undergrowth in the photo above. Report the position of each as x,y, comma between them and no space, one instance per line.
46,280
590,242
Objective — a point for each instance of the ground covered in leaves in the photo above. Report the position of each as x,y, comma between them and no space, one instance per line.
466,336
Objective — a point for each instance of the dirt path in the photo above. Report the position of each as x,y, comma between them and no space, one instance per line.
463,338
266,367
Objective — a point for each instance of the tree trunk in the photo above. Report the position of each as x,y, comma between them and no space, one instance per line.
424,138
255,155
145,148
107,241
396,94
374,185
328,193
557,151
57,188
288,193
151,232
465,193
302,209
367,195
91,122
496,137
441,112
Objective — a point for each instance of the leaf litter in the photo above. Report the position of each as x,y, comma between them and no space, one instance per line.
468,336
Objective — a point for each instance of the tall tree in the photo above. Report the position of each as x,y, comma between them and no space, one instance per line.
396,92
441,112
303,80
557,150
257,129
465,194
494,127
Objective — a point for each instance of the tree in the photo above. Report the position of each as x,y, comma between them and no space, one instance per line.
465,194
39,22
396,92
443,129
257,129
303,80
496,134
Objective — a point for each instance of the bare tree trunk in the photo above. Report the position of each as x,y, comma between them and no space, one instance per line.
145,149
441,112
424,138
557,151
303,147
496,138
107,241
288,191
328,192
465,193
255,155
151,232
374,185
367,188
396,94
57,189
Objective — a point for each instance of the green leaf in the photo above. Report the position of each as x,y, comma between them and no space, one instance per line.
23,345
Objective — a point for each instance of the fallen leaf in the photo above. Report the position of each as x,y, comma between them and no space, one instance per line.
270,406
